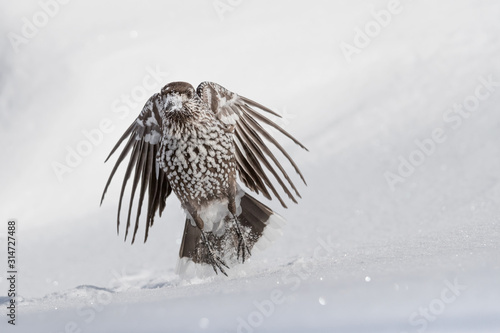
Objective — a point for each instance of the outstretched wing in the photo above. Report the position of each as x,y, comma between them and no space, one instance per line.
252,153
144,136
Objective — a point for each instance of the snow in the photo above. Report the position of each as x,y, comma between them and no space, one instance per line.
356,255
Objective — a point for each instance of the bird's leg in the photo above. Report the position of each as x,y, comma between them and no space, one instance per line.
242,245
243,249
212,257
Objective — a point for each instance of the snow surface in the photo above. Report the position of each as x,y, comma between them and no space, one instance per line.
356,256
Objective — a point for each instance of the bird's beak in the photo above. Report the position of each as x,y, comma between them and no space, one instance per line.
167,105
172,103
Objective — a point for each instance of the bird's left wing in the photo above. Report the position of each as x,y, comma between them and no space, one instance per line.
144,136
253,156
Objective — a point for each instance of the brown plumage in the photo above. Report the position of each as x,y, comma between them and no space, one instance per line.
196,144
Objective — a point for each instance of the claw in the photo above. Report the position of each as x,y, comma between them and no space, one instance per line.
242,246
213,259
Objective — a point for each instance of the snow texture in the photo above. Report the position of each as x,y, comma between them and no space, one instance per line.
398,229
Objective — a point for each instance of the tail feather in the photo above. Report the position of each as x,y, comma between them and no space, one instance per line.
190,240
254,215
256,219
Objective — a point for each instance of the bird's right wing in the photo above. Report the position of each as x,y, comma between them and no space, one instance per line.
144,136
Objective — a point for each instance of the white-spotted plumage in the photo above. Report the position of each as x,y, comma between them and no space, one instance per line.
196,144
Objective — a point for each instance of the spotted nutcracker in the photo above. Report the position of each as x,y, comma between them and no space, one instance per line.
196,143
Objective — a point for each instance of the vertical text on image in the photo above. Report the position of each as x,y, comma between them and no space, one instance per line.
12,272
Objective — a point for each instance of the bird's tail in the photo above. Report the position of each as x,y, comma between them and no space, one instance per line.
258,223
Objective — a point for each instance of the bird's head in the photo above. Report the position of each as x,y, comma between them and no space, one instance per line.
175,94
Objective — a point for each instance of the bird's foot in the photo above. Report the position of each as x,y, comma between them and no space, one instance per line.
212,258
243,248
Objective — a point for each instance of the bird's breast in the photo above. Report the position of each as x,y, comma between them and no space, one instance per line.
198,161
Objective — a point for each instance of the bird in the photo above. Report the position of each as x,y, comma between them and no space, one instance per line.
205,145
